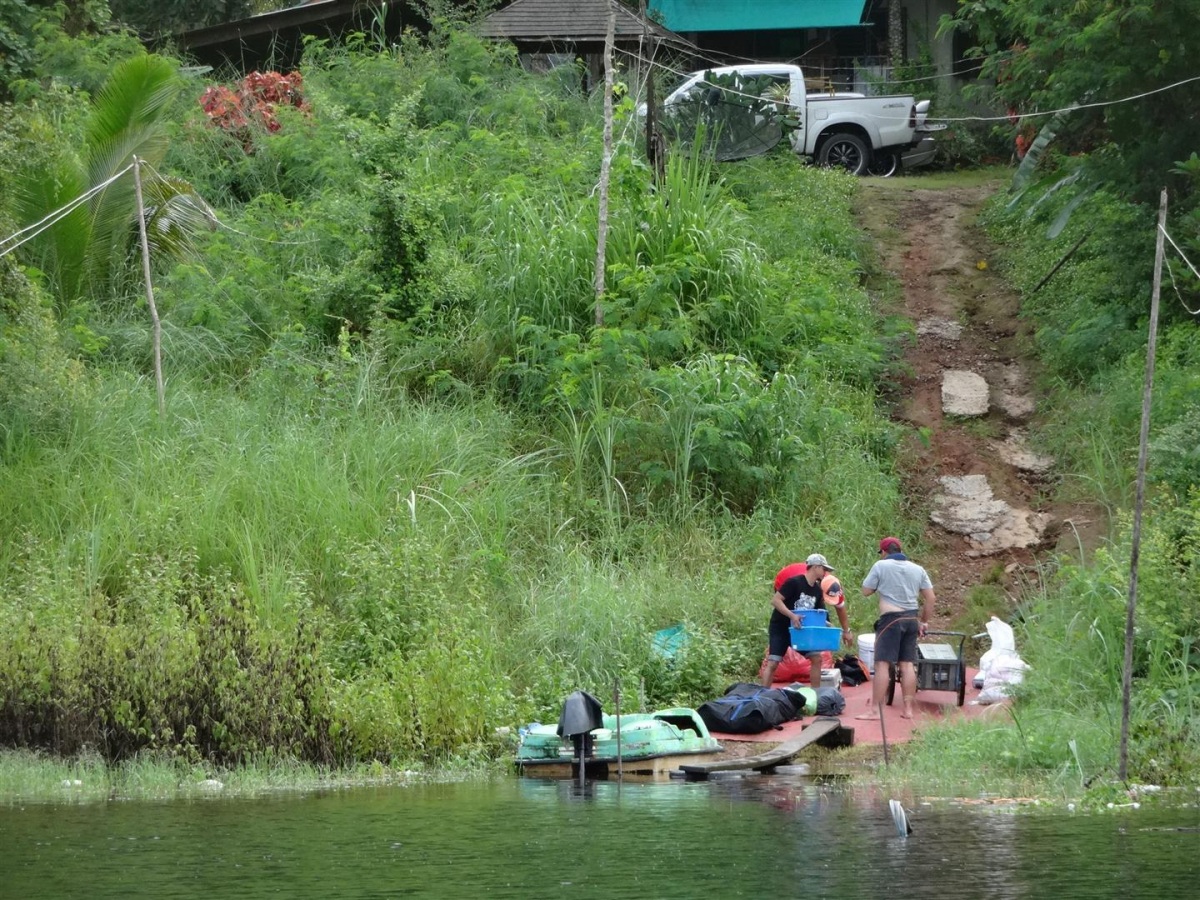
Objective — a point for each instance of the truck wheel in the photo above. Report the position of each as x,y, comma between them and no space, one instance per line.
845,151
884,165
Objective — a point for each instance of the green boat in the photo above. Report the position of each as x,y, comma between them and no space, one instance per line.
651,743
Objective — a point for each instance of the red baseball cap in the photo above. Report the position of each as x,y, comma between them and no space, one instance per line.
889,545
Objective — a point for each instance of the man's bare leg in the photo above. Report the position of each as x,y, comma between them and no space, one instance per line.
769,672
814,670
879,686
908,684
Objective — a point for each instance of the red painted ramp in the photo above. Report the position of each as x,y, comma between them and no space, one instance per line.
931,706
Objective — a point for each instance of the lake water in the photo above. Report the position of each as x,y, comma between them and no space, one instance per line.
753,837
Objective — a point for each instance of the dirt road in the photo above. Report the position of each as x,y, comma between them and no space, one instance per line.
985,496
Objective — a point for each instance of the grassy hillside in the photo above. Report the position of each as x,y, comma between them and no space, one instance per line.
404,490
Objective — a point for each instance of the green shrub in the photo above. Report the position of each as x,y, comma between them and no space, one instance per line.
38,379
1089,316
176,662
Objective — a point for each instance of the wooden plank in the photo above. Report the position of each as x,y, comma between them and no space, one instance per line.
656,766
823,727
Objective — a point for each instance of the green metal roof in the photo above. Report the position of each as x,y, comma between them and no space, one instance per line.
757,15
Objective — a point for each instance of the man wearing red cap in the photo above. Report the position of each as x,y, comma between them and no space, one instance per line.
899,582
807,585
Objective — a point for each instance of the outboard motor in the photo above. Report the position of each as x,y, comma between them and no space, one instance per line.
581,715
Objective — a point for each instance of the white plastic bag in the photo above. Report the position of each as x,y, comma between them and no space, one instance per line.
1000,667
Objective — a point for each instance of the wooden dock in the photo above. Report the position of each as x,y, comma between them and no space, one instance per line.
655,767
826,731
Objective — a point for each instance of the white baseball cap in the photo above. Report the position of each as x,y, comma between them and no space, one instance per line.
818,560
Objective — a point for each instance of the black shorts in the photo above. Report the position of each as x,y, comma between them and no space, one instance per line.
779,638
896,637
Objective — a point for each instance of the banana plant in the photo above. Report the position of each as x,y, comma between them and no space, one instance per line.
1024,179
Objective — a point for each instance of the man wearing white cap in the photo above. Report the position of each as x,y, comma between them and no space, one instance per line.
811,586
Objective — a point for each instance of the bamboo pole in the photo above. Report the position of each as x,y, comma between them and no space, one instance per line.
617,702
157,323
606,161
883,731
1140,494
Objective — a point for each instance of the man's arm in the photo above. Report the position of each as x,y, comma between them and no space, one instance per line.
781,604
841,613
871,582
927,611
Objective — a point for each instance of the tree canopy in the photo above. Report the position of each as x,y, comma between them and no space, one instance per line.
1130,65
166,16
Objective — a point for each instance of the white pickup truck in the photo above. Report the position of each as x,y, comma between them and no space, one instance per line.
834,129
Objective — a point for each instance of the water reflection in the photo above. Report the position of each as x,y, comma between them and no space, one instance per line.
748,836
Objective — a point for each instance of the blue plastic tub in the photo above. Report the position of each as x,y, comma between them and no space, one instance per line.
812,638
813,618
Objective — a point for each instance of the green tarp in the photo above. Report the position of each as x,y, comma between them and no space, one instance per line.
757,15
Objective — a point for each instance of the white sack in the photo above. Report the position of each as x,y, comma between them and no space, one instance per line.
1000,667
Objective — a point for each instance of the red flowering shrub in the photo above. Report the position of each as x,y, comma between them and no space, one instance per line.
253,102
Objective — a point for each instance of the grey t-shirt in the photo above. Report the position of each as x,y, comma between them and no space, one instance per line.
898,581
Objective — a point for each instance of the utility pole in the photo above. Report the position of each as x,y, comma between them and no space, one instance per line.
1135,540
606,160
655,151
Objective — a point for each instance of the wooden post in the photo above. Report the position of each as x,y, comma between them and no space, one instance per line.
655,149
1135,539
141,210
617,703
606,161
883,731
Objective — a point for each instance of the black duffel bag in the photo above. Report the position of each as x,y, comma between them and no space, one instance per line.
751,708
830,702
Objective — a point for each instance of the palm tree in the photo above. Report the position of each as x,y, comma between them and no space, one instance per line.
85,249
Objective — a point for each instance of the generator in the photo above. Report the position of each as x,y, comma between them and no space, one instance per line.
939,667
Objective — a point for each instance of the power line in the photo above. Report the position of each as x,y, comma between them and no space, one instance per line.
1182,255
211,215
1188,263
729,91
52,219
716,62
1003,118
1073,106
